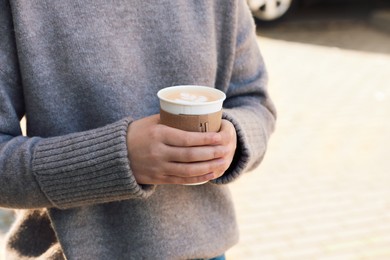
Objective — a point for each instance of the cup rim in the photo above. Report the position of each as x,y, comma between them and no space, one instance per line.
189,103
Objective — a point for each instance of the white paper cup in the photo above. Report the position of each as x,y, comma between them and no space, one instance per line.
194,112
191,108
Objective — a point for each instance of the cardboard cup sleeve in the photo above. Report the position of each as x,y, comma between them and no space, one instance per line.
193,123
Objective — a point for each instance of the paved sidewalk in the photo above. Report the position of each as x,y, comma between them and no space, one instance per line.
323,190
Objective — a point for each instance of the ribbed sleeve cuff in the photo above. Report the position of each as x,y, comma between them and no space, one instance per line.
87,168
251,144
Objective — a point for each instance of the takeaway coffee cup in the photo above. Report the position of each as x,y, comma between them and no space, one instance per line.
191,108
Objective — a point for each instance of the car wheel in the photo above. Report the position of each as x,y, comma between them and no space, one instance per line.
267,11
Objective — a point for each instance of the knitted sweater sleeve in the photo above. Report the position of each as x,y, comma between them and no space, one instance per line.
248,105
67,171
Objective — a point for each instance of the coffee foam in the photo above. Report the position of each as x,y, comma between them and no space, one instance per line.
191,97
191,100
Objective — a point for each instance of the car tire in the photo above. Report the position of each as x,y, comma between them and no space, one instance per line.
271,11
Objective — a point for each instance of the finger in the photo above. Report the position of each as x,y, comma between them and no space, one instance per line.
189,180
227,131
180,138
172,179
194,154
196,169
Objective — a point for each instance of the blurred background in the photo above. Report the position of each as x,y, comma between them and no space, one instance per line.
323,189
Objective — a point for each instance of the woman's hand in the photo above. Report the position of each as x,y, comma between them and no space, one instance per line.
160,154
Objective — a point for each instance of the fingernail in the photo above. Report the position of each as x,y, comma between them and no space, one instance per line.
209,176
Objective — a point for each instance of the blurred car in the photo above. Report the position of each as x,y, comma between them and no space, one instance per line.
271,10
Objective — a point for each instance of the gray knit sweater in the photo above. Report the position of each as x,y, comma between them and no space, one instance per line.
81,72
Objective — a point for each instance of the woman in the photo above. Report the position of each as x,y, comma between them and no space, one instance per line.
97,177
